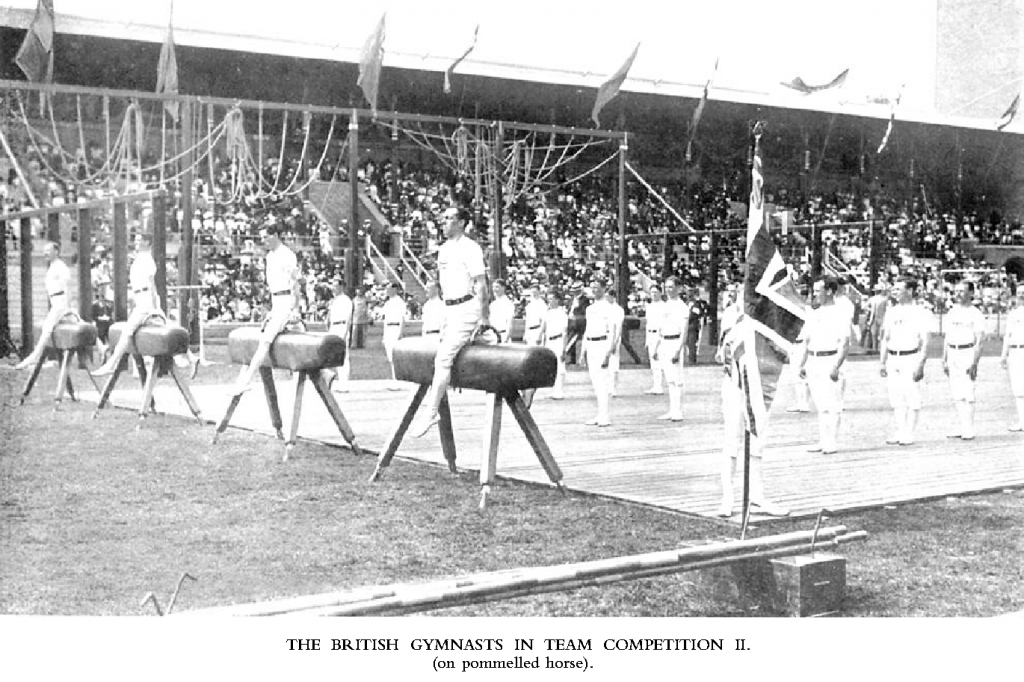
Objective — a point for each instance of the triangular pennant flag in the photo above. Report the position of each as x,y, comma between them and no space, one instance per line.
799,85
774,311
370,65
610,87
35,56
167,70
1010,114
451,69
699,111
892,121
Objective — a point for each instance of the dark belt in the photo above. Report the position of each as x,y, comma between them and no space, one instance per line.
432,331
457,301
961,346
558,336
1017,345
139,291
671,337
597,338
536,326
59,293
652,331
903,352
392,324
285,292
822,353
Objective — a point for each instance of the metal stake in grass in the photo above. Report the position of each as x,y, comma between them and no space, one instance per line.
150,597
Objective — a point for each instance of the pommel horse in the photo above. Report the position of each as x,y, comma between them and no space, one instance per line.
501,371
306,353
71,336
160,342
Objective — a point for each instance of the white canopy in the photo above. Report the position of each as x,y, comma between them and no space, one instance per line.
758,45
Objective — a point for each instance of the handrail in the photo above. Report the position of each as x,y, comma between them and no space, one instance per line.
374,255
417,268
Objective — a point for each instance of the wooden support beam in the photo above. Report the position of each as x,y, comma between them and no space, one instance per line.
25,240
85,294
120,261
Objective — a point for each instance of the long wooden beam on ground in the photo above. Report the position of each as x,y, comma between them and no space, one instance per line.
489,586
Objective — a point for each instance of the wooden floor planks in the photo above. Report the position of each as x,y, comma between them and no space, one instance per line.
676,465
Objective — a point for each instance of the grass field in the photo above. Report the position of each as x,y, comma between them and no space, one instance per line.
94,515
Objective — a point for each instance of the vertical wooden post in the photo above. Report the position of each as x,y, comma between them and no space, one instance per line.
622,274
160,249
53,227
816,251
25,239
85,264
874,254
120,261
353,263
185,255
713,267
6,343
495,267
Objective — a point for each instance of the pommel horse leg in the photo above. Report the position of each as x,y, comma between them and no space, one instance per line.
395,439
289,445
270,391
320,382
489,461
179,380
533,435
447,434
31,381
64,379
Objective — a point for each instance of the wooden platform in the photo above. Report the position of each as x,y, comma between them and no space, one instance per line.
675,465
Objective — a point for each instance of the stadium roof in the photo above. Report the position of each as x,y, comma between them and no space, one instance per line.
758,45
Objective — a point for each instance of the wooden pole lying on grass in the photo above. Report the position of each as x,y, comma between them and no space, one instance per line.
509,584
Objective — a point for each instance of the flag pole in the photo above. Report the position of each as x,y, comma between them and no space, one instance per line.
746,483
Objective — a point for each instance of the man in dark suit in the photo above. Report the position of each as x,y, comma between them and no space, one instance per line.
578,302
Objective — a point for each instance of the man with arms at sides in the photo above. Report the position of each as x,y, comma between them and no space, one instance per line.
825,343
142,285
533,328
556,335
339,323
733,408
903,351
394,312
503,311
57,281
669,352
964,328
597,349
652,316
360,318
699,310
877,304
283,284
1012,357
463,281
432,315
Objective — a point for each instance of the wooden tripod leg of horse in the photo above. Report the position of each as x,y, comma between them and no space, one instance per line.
395,439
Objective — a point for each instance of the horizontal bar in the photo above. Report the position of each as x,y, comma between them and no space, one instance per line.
67,208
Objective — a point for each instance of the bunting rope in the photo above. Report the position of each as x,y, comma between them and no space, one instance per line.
657,196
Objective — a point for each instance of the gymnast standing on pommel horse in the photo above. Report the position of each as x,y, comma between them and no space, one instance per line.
283,284
462,278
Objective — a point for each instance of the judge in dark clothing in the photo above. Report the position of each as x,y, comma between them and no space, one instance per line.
699,310
578,302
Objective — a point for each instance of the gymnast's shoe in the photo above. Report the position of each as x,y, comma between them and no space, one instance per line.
423,427
238,389
654,391
669,417
104,370
28,362
724,509
1016,428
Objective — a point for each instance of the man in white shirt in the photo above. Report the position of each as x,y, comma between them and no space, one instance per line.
283,284
555,334
825,343
1012,357
142,285
533,322
394,314
57,281
597,348
503,311
432,315
964,328
339,323
463,281
617,319
668,353
652,316
903,350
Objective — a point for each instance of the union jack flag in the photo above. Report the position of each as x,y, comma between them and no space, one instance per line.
774,311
